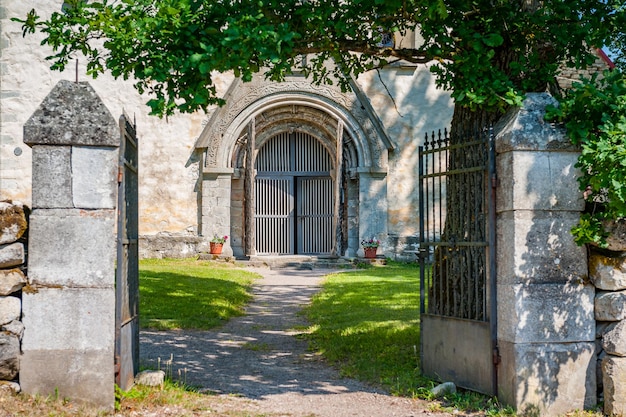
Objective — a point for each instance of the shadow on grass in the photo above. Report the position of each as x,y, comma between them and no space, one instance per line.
199,299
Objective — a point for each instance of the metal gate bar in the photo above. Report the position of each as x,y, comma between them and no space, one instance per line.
127,270
457,258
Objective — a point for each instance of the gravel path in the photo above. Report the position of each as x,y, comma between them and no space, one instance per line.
259,359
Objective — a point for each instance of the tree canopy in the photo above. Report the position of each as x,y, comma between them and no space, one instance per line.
488,52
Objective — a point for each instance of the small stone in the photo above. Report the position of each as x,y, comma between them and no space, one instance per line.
609,306
11,281
9,356
10,386
15,327
10,309
150,378
12,221
607,273
12,255
614,339
617,234
443,389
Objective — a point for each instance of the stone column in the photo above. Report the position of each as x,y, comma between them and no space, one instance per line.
373,208
69,303
546,327
216,210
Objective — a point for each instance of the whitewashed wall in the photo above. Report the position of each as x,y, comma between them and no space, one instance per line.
168,166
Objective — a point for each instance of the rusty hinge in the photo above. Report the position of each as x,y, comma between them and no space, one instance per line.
117,366
495,356
120,174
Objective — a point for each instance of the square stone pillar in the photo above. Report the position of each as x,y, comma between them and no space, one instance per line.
216,206
69,305
372,213
546,325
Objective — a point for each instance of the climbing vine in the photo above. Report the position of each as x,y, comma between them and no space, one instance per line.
594,114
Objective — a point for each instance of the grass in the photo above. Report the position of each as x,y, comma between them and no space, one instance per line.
190,294
366,323
172,399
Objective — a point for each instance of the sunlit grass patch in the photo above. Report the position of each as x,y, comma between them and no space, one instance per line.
190,294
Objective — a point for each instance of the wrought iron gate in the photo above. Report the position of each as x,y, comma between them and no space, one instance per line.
127,271
457,260
294,197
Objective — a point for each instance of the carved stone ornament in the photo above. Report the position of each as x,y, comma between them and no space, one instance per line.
245,101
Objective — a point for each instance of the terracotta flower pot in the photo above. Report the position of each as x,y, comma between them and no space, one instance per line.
215,248
370,253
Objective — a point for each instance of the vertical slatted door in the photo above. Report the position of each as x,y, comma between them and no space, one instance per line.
282,162
315,215
274,218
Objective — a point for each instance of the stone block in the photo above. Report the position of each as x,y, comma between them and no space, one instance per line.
548,379
16,327
538,181
613,375
538,247
11,280
614,339
542,313
12,255
68,319
72,114
617,234
94,177
607,273
9,356
610,306
81,375
525,128
52,177
72,248
12,222
10,309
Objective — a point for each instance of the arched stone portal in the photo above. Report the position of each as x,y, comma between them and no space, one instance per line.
342,123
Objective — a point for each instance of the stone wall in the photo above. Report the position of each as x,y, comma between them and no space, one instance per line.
13,234
607,271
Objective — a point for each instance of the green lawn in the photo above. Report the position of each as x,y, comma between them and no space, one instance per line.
190,294
367,323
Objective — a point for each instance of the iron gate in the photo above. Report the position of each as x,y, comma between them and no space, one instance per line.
457,260
127,270
293,196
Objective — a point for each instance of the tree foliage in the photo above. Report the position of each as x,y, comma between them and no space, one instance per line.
489,52
594,113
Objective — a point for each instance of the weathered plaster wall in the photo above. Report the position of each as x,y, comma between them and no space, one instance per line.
408,104
168,168
404,98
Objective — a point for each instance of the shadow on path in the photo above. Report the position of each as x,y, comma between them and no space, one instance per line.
255,355
259,358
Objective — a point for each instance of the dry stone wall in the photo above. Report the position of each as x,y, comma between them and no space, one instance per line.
607,271
13,227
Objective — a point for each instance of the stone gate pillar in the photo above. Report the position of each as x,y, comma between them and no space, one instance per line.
69,302
546,327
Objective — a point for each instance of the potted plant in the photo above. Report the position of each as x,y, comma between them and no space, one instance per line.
216,244
370,246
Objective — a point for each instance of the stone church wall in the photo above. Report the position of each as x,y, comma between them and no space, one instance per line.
404,98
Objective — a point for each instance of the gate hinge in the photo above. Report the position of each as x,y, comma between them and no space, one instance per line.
495,356
117,365
494,181
120,174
